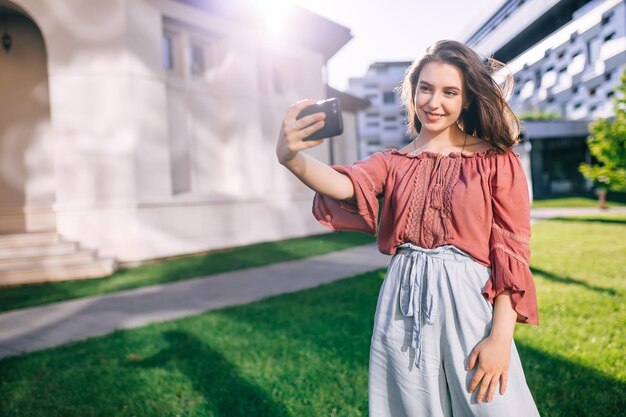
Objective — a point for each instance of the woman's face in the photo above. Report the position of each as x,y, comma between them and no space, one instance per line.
439,96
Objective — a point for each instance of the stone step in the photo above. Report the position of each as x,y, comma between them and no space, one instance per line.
61,248
15,240
81,270
80,256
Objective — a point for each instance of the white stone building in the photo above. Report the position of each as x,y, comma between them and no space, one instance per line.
143,129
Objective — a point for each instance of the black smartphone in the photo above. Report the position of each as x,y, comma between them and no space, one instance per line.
333,123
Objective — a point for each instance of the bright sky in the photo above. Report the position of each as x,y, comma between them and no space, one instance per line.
395,30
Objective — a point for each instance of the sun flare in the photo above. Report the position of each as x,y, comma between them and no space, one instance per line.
273,15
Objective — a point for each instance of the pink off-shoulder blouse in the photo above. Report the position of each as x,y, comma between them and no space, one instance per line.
477,202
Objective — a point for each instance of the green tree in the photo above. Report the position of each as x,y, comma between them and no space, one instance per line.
538,115
607,143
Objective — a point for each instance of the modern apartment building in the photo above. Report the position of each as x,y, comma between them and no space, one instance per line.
383,125
566,57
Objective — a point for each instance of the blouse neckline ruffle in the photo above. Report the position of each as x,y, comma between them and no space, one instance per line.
431,154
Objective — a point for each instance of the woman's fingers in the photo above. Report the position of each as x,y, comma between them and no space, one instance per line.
296,108
304,126
293,132
493,385
503,380
478,375
484,385
312,129
307,121
471,361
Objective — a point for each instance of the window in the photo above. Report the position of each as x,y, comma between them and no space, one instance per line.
560,55
370,86
608,75
575,89
389,97
592,49
390,118
592,92
550,99
609,36
577,106
391,128
607,18
198,63
167,44
372,124
562,70
610,94
538,78
372,115
593,108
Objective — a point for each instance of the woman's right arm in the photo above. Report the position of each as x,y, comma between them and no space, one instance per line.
313,173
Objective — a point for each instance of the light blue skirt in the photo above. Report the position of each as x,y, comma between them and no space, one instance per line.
430,315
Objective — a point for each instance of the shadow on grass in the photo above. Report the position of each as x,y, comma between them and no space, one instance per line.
567,280
562,388
336,319
590,220
214,377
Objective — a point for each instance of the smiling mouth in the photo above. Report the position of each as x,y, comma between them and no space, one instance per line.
433,115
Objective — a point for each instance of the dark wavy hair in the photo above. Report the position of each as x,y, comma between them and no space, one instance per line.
489,116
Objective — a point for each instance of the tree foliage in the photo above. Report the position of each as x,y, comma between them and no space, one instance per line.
607,143
538,115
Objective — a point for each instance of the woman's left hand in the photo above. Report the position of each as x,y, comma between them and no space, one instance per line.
493,357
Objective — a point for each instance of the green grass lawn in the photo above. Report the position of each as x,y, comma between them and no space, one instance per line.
213,262
306,354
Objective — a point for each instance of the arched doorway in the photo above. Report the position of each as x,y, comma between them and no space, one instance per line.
26,163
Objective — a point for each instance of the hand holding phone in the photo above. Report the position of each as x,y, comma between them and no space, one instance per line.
333,123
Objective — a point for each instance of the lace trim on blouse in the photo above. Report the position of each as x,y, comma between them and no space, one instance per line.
430,207
514,236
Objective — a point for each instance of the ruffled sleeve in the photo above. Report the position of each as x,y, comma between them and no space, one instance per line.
509,243
360,213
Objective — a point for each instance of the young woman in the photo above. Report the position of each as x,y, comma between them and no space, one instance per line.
456,219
